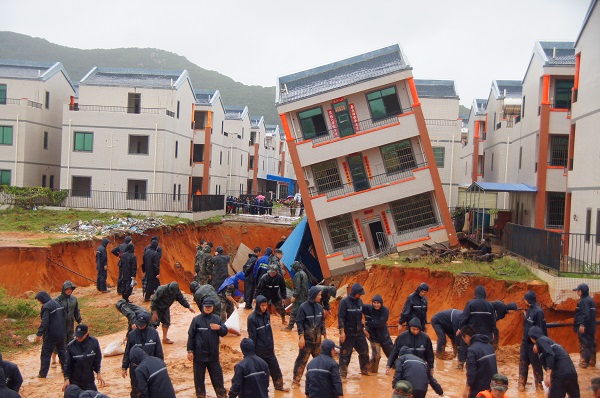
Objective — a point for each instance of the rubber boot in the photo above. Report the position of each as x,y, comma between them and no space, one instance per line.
454,350
165,339
283,322
279,386
593,360
343,371
374,366
460,365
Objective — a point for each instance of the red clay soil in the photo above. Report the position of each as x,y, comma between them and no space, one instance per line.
449,291
29,269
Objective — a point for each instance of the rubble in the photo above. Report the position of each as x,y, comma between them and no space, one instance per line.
119,226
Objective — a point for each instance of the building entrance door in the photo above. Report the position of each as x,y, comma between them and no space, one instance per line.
376,228
342,116
357,171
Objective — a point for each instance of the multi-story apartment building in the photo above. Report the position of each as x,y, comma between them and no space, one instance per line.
31,98
544,134
582,214
129,132
232,145
440,105
288,184
365,165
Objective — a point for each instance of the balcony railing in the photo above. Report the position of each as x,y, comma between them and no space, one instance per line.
17,101
388,243
441,122
121,109
375,181
363,125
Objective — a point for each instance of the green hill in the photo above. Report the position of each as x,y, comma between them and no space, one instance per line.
77,62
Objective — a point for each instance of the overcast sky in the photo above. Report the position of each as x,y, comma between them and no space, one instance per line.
469,41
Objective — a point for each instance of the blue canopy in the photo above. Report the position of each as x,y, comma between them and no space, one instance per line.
297,248
289,181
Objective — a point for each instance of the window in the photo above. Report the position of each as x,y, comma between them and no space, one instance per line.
327,176
6,135
555,210
559,150
2,94
588,224
341,232
84,141
312,123
5,177
198,153
136,189
597,226
562,94
251,162
398,157
523,109
43,180
176,149
439,152
241,160
221,157
413,212
47,100
179,192
45,140
138,144
51,185
252,137
200,120
178,106
384,103
492,162
174,191
134,103
81,186
481,164
520,156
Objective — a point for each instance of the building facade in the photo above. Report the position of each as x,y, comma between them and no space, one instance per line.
365,165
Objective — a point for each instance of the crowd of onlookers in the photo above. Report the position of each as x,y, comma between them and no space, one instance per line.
259,205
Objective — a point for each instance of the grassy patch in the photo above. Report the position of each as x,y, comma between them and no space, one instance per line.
101,320
505,268
576,275
211,220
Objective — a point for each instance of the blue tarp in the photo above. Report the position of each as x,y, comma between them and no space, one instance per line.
297,248
289,181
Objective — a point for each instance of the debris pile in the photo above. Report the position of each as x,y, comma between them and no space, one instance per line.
83,230
441,253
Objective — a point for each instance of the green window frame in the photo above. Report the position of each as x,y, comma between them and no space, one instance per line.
439,152
5,177
413,212
84,141
341,232
6,135
562,94
2,94
384,103
312,123
398,156
326,176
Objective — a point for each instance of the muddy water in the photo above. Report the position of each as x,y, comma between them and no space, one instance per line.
180,370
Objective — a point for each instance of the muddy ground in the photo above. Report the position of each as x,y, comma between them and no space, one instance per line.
24,268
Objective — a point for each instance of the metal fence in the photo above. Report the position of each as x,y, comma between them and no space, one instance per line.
130,201
561,252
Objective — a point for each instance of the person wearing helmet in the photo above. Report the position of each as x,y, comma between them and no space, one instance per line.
161,303
272,286
498,387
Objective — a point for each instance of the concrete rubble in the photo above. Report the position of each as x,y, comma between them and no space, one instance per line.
83,230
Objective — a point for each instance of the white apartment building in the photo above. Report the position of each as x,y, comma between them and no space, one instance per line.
31,98
232,145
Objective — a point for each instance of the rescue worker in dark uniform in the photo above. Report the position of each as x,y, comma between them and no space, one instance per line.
118,252
323,374
161,303
415,306
12,375
326,293
561,375
585,326
201,291
131,312
151,267
129,269
376,316
480,315
272,286
501,310
249,282
204,336
84,357
446,323
311,328
6,392
415,339
481,361
259,330
151,375
262,266
72,314
205,267
74,391
533,317
352,335
413,369
220,272
227,291
147,339
54,331
250,375
102,266
300,293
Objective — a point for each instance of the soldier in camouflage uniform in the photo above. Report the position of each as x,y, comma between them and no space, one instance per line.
300,294
204,266
202,291
162,300
131,312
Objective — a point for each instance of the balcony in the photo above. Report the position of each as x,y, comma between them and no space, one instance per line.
121,109
24,101
560,122
378,189
556,180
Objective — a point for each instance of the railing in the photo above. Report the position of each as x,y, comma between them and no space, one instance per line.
363,125
121,109
581,253
441,122
17,101
388,243
131,201
34,104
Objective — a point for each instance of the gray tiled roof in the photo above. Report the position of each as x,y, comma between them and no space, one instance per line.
514,88
13,69
480,106
233,112
255,121
557,53
125,77
435,88
205,97
340,74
